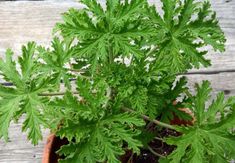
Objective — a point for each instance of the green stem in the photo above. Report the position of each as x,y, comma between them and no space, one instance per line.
188,93
111,59
157,138
145,117
131,158
155,153
74,70
79,71
108,95
85,77
55,94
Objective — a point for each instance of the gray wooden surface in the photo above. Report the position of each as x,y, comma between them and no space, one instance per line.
25,21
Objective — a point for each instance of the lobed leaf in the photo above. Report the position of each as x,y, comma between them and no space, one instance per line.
210,138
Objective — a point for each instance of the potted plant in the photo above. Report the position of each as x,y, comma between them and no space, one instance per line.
109,85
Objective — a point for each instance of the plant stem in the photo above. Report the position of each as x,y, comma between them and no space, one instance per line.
188,93
110,55
155,153
74,70
108,95
157,138
145,117
86,77
79,71
55,94
130,159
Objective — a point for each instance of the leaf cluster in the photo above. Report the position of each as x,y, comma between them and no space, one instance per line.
211,138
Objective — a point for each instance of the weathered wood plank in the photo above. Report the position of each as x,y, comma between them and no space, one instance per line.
219,82
21,22
19,149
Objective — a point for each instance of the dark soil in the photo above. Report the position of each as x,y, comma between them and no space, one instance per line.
57,143
146,156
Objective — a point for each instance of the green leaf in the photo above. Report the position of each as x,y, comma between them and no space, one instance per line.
107,34
208,29
8,68
34,119
78,23
129,118
88,125
83,152
7,110
56,59
128,10
101,140
210,138
23,97
27,61
168,8
121,132
203,94
186,26
178,88
94,7
139,99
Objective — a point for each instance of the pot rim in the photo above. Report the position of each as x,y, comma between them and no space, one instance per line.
48,148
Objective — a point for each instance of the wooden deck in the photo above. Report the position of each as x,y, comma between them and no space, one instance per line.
24,21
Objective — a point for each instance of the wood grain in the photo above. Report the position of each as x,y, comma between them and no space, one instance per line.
25,21
18,149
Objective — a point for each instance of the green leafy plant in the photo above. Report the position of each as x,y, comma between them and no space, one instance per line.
110,74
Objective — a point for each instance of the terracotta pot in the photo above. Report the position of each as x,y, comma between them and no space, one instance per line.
53,144
177,121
